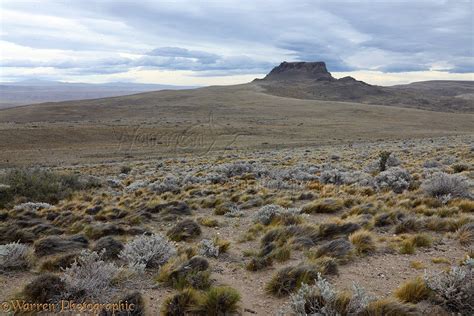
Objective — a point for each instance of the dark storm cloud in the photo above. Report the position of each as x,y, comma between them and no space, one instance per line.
240,37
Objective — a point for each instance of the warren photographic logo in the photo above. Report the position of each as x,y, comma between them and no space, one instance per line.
200,138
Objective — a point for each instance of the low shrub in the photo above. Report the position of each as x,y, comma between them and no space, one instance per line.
454,289
322,299
15,256
395,179
90,277
38,185
446,186
147,252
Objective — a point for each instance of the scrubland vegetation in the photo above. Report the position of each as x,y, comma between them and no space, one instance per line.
294,232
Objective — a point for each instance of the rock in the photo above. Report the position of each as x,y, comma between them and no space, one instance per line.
300,71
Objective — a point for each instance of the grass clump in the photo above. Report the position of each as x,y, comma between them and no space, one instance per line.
438,260
363,242
418,265
338,248
184,230
413,291
180,304
421,240
407,247
181,273
323,206
390,307
289,279
465,234
47,288
208,221
221,300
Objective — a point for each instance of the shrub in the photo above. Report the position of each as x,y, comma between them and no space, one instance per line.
363,241
267,213
212,248
47,288
332,176
180,304
239,169
454,288
396,179
275,214
413,291
322,299
169,184
184,230
39,185
387,159
14,256
444,186
219,301
89,276
147,252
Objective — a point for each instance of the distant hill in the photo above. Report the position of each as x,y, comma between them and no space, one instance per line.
311,80
38,91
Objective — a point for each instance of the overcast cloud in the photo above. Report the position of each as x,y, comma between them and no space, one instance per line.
213,42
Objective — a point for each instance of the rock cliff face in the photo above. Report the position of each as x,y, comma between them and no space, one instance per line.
300,71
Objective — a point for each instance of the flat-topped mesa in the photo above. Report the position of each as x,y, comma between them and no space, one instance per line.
300,71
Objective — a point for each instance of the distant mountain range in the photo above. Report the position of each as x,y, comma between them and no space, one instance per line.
38,91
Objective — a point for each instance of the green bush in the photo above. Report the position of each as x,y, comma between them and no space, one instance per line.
37,185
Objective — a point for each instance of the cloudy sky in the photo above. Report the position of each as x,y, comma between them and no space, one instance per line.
225,42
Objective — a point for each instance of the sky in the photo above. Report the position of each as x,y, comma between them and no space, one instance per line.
227,42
